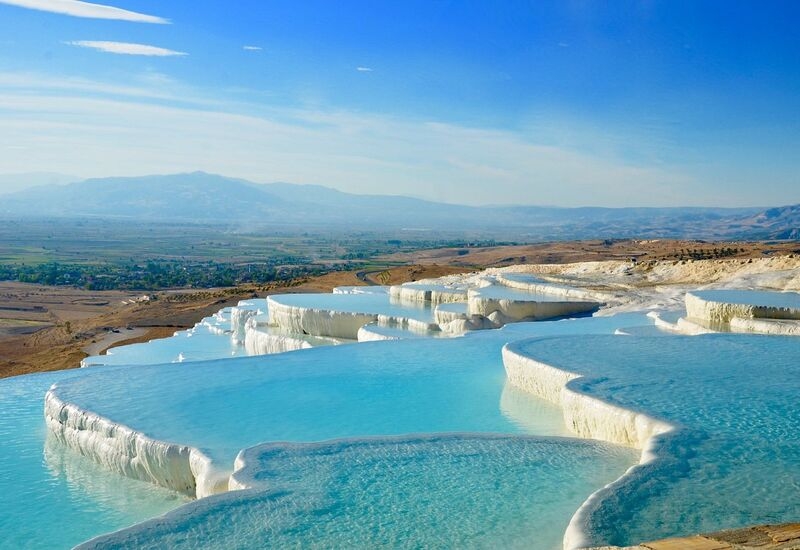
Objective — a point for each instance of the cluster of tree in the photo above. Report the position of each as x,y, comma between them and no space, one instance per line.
156,274
708,253
366,249
233,263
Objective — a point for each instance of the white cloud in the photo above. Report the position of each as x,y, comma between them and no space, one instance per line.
76,131
252,48
76,8
103,137
364,69
125,48
138,127
147,86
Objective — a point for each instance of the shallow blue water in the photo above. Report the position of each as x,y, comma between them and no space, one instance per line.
403,333
672,316
506,293
752,297
51,497
463,491
209,339
735,460
375,388
522,278
434,287
651,330
454,307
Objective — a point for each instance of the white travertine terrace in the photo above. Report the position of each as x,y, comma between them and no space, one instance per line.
717,312
259,342
518,310
588,417
681,326
480,311
486,312
239,318
433,292
131,453
337,324
705,314
318,322
778,327
543,287
367,334
409,323
585,415
447,313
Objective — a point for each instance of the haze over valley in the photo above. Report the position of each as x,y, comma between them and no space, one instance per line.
212,199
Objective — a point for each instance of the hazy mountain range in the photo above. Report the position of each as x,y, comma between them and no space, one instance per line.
208,198
12,183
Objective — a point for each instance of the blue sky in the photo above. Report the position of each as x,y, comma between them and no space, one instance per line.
566,103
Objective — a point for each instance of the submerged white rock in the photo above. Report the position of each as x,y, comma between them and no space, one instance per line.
368,333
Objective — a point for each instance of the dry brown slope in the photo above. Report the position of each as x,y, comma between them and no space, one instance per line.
593,250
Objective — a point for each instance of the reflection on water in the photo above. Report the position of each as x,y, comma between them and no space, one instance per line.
85,479
524,410
51,498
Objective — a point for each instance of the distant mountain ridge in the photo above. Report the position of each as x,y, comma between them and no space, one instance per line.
208,198
780,223
13,183
182,197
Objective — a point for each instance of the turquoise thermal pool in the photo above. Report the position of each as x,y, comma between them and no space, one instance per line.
209,339
789,300
526,278
380,388
733,458
220,407
50,496
455,491
500,292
